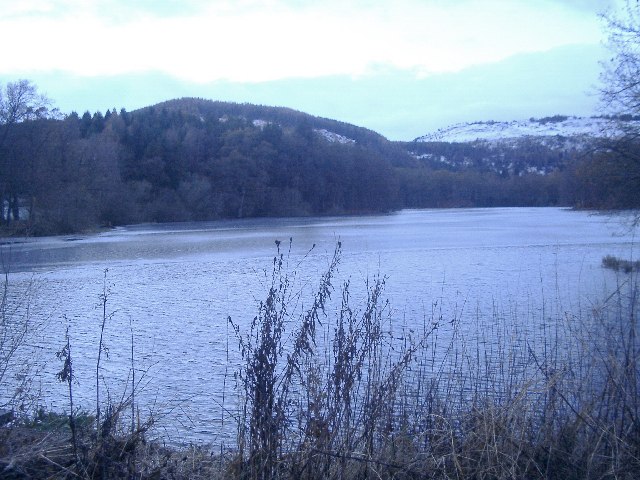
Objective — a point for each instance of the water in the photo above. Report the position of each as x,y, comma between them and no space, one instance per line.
172,287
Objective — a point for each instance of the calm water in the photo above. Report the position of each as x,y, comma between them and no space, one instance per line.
173,286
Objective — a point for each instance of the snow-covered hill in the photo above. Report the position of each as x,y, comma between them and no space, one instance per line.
539,146
572,129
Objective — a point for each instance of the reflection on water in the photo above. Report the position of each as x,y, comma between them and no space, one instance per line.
173,286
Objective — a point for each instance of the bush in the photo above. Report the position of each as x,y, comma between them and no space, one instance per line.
618,264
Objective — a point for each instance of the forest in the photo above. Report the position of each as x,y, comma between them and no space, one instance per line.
195,159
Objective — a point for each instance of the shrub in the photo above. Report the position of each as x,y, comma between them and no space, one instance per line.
618,264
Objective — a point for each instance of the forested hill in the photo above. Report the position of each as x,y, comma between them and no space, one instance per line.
585,162
194,159
260,115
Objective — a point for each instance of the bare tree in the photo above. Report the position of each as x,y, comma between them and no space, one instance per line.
19,101
620,94
621,75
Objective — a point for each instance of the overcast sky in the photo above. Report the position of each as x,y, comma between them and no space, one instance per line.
400,67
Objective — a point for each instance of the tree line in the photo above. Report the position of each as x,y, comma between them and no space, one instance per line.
167,163
193,159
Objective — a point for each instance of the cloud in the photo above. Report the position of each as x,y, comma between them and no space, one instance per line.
251,40
391,102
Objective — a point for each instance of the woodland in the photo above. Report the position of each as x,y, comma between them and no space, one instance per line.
193,159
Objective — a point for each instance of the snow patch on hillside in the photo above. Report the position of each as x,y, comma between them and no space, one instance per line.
334,137
558,126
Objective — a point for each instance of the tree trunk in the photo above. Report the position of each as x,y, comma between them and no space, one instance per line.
15,208
2,219
32,204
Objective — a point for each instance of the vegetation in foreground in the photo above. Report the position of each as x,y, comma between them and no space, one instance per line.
342,393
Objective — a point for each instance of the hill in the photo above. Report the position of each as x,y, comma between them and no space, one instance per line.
563,160
261,115
333,131
537,146
195,159
571,128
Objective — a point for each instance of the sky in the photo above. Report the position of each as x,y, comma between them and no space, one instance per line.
403,68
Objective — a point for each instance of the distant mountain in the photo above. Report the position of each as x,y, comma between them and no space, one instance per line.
538,146
558,132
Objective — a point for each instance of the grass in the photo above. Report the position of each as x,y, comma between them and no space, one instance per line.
338,390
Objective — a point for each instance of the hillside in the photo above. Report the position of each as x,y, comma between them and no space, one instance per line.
287,119
536,146
562,160
194,159
573,129
261,115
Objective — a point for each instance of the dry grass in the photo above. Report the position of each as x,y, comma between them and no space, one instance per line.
343,393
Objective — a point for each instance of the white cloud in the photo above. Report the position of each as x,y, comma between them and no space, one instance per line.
253,40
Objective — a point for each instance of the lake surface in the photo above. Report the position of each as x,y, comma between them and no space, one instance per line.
497,272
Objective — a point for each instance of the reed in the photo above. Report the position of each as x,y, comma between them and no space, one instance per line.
332,387
362,401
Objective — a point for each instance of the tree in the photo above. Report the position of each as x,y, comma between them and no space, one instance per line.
19,102
621,93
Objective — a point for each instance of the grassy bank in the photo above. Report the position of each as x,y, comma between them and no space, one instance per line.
350,393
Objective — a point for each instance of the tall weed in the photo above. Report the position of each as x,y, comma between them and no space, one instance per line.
350,397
